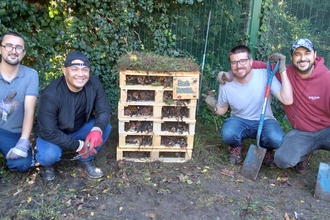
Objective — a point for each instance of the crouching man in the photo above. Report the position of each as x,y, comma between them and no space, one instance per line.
73,113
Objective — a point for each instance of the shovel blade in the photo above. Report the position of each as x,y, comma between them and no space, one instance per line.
322,189
253,161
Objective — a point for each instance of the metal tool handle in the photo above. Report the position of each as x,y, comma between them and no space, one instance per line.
77,157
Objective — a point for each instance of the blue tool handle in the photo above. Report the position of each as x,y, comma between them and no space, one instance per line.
264,106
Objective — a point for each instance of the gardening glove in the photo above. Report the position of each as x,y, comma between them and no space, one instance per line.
224,77
8,105
211,102
94,137
84,150
279,57
20,150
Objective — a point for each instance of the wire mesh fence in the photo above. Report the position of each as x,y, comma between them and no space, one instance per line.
225,24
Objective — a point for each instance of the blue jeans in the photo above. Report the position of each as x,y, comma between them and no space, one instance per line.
235,130
49,153
9,140
298,144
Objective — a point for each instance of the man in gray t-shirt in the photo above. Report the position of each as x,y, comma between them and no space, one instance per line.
18,97
244,94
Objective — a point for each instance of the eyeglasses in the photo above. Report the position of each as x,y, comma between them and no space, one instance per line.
10,47
243,62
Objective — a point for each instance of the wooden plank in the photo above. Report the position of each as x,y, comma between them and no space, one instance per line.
154,155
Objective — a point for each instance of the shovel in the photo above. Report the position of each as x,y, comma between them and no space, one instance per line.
256,154
322,189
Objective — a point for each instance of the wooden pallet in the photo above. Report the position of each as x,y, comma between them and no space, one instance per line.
155,143
155,112
123,74
157,96
129,127
151,155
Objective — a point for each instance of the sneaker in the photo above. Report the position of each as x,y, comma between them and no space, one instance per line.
269,159
90,169
235,154
302,166
47,173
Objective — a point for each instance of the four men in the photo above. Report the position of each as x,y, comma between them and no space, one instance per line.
74,113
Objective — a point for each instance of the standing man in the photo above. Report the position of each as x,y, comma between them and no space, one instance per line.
73,113
245,96
309,114
18,97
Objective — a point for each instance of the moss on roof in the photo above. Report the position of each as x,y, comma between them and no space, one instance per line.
147,61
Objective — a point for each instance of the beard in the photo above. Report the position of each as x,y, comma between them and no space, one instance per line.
303,71
12,62
242,76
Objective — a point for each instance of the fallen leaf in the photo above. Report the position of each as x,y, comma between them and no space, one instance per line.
18,191
204,171
227,172
80,207
286,216
102,207
239,180
82,175
121,164
150,215
105,191
282,179
181,178
299,184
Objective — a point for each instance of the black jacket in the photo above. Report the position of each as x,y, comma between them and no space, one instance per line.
56,111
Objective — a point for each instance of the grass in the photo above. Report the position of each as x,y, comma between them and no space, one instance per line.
147,61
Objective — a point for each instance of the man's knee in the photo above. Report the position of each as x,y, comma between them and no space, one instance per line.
282,161
46,158
21,165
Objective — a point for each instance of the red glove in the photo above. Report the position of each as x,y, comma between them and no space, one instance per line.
94,137
87,150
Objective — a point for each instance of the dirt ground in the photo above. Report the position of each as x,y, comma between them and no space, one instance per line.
206,187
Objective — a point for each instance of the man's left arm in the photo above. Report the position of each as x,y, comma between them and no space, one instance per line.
30,103
285,94
22,147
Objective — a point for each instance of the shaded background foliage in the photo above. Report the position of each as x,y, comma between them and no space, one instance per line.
106,29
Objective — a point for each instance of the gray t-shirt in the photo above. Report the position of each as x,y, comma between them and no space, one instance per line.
246,100
12,96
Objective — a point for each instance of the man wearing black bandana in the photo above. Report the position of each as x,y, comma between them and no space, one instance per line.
73,113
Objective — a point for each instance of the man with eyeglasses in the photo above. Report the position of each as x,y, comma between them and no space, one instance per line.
18,97
73,113
245,94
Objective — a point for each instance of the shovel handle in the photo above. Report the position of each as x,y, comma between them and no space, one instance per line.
264,106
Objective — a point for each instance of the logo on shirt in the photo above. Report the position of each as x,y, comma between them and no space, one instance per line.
313,97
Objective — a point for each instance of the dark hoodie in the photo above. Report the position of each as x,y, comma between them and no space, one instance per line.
310,110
